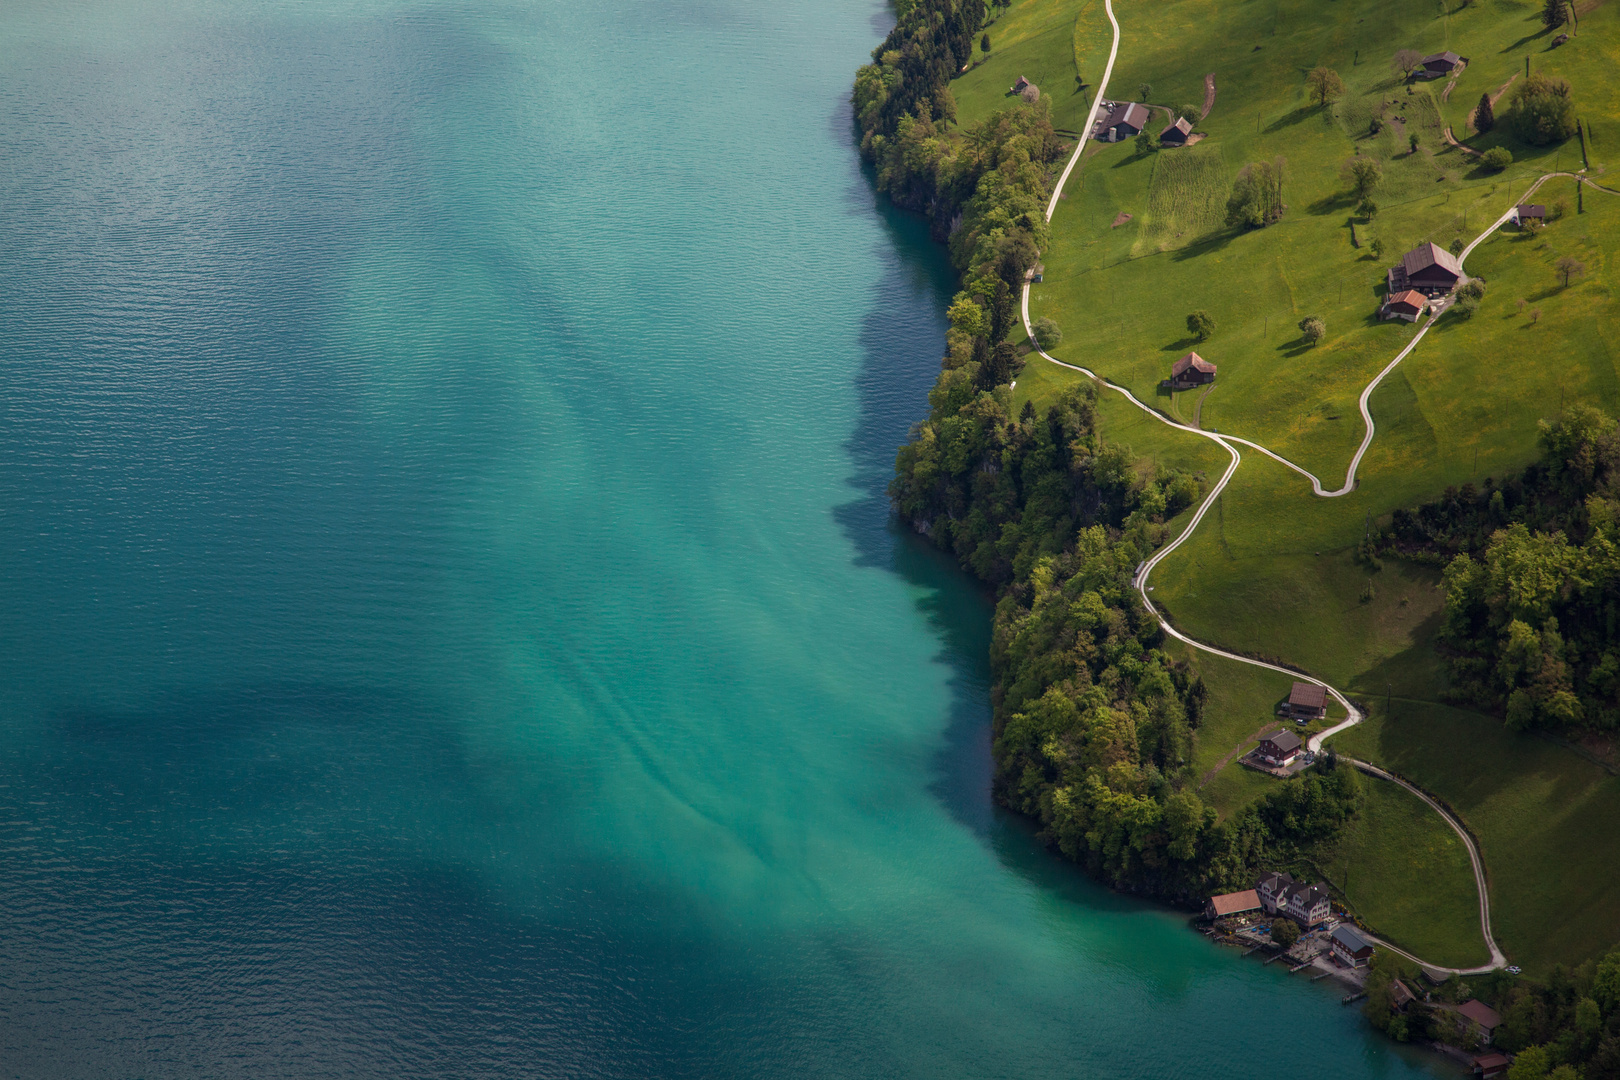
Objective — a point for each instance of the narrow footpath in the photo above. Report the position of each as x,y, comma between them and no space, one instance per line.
1226,442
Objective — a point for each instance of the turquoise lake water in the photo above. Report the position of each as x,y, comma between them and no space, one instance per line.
452,626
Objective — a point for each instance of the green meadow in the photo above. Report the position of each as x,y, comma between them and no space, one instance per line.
1270,571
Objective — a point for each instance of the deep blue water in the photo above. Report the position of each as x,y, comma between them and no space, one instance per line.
452,626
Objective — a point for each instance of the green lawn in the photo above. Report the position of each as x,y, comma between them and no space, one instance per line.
1406,874
1271,570
1544,819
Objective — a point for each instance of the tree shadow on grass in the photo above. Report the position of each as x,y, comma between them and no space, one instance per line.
1212,242
1180,346
1292,117
1327,204
1543,32
1295,349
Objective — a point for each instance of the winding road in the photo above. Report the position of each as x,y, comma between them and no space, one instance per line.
1230,443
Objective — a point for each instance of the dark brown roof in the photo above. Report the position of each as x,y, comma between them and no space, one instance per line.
1308,695
1283,740
1447,59
1426,255
1490,1061
1182,125
1399,994
1232,902
1192,360
1480,1013
1135,114
1531,210
1020,84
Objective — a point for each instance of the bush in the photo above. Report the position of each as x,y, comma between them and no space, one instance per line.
1312,328
1466,306
1047,334
1496,158
1473,288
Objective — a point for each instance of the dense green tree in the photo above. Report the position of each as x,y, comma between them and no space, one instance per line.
1484,114
1496,158
1145,142
984,43
1554,13
1047,333
1201,324
1363,174
1312,329
1189,112
1256,198
1284,931
1325,85
1543,110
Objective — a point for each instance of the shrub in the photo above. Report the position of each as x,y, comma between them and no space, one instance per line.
1472,288
1496,158
1047,334
1190,113
1466,306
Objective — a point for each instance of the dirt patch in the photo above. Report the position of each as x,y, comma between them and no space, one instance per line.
1122,219
1445,95
1209,93
1504,89
1195,138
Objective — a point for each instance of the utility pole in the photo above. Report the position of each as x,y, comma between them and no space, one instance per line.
1475,471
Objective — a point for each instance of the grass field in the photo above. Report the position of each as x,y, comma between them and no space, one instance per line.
1270,571
1544,819
1407,876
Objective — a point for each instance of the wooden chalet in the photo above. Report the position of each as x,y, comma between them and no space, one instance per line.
1020,86
1191,370
1480,1018
1176,134
1307,701
1400,996
1408,305
1439,65
1280,748
1525,213
1491,1065
1428,268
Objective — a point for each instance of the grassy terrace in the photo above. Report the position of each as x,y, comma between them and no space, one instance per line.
1270,571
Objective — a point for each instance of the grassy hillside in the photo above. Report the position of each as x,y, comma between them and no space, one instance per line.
1271,570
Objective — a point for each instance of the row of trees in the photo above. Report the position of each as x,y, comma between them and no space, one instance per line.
1532,580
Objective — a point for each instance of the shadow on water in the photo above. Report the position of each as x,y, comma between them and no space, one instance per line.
902,338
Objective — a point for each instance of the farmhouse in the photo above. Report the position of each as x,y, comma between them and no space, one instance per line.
1233,903
1480,1018
1428,268
1273,891
1307,701
1525,213
1279,748
1406,305
1191,370
1439,65
1176,134
1124,121
1308,905
1353,950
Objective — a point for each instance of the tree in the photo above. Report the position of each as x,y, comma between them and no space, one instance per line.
1466,306
1407,60
1554,13
1543,110
1484,116
1496,158
1535,316
1146,90
1457,246
984,43
1145,142
1325,85
1047,334
1256,198
1377,248
1366,207
967,317
1412,142
1201,324
1312,329
1284,932
1363,174
1569,266
1190,113
1001,368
